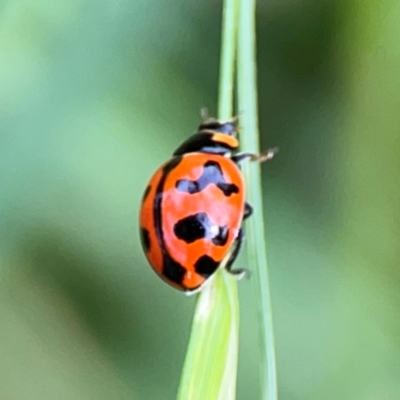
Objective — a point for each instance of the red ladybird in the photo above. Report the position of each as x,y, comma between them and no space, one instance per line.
194,205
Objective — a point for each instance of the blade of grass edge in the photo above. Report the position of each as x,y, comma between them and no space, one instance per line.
210,367
255,232
211,361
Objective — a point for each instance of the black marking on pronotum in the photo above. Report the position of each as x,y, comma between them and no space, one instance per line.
212,174
199,226
145,238
204,142
171,269
206,266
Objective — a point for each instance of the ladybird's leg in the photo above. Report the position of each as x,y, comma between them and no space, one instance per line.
248,211
239,157
265,156
238,273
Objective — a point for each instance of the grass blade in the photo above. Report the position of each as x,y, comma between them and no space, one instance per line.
255,232
211,360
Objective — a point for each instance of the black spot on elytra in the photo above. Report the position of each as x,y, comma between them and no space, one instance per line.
146,193
173,270
222,237
192,227
199,226
212,174
228,188
172,163
145,238
206,266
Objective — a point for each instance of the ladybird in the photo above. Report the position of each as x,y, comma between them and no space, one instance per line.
194,205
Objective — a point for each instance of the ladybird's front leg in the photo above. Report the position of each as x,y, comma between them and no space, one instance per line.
265,156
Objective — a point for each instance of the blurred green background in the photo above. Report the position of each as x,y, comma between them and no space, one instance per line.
94,95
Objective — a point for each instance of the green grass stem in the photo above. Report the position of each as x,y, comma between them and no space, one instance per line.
228,58
255,231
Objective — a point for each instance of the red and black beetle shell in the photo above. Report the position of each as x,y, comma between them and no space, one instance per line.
193,207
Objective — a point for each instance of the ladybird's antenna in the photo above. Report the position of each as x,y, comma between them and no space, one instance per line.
204,114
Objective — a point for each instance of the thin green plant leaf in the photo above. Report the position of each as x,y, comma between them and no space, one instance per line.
210,367
255,230
228,58
211,360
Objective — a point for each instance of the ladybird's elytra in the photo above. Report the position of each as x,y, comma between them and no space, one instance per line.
193,207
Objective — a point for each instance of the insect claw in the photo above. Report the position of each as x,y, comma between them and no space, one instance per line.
266,155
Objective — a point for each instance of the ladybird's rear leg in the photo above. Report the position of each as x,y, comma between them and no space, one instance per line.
265,156
238,273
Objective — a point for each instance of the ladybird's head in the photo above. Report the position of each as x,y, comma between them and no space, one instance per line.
213,136
228,127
